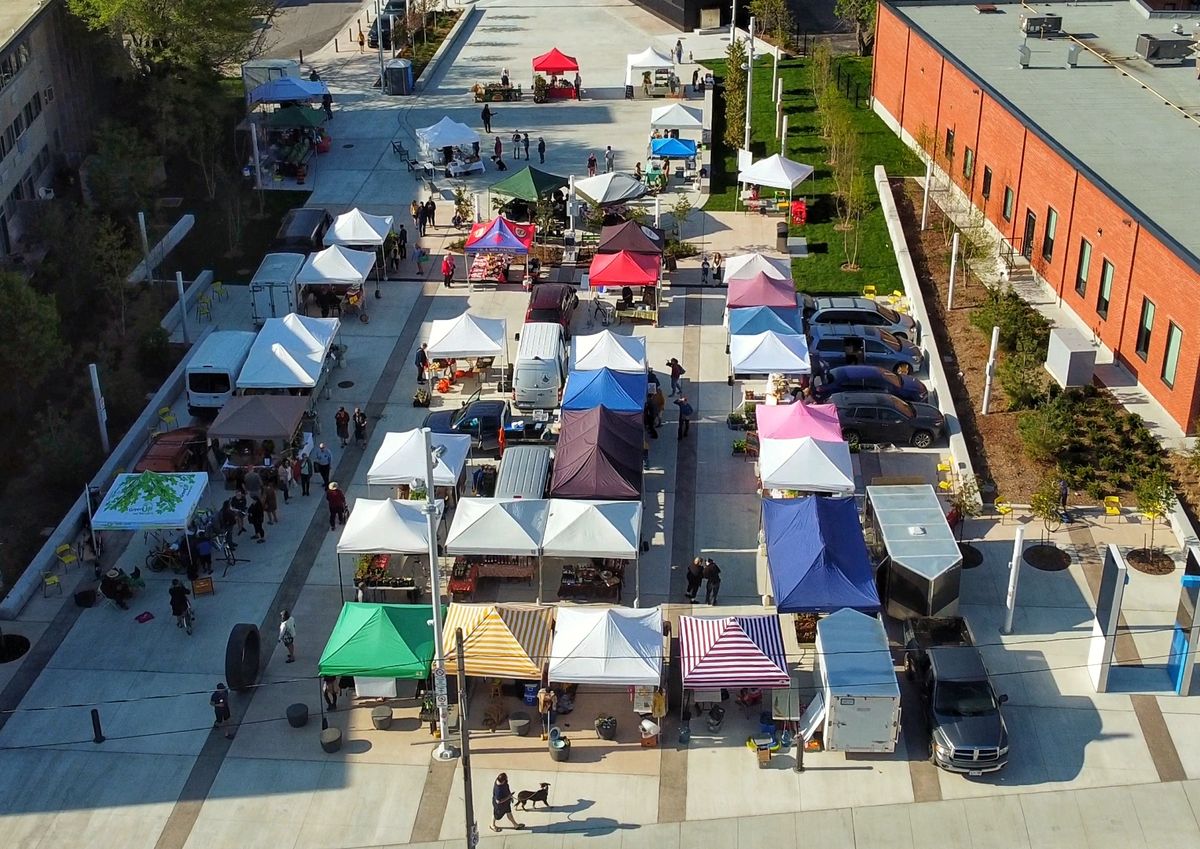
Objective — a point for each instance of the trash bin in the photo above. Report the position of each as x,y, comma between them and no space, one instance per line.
297,715
331,740
518,724
781,237
381,718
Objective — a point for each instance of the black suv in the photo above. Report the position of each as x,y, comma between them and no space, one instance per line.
873,417
302,231
867,379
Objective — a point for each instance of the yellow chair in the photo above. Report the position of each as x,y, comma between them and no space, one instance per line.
897,295
204,307
869,292
167,416
219,290
943,468
66,556
945,486
1004,509
1112,507
49,579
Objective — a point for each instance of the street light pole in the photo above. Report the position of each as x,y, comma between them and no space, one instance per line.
749,85
465,743
444,750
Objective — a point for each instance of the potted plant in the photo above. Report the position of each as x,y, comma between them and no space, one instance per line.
539,89
735,420
739,446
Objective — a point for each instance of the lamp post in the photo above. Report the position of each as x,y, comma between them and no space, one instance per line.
749,85
444,750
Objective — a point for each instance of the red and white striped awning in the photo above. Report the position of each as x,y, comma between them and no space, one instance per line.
732,651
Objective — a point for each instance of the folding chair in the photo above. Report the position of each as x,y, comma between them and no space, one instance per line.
219,290
49,579
167,416
66,556
1112,507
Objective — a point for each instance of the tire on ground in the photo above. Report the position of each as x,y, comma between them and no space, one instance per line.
242,656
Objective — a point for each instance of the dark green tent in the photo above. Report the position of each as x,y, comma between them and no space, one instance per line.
529,184
296,116
380,641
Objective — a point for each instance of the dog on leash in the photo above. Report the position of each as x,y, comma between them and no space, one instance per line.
540,795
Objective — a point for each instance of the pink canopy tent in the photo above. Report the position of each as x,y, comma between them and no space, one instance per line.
798,420
761,290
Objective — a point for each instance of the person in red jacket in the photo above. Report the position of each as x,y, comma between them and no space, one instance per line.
448,269
337,505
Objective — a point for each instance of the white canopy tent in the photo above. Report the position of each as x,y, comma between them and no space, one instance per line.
400,460
806,464
510,526
467,336
613,187
288,353
769,353
648,60
776,172
615,646
583,528
608,350
358,228
445,132
676,116
150,501
336,266
384,527
745,266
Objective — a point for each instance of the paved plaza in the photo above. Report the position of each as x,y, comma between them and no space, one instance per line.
1090,771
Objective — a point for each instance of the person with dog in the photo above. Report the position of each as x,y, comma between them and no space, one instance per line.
532,797
502,799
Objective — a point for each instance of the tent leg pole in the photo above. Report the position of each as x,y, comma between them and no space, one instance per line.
341,589
637,579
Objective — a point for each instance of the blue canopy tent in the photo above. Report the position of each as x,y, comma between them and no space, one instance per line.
620,392
750,321
287,89
816,555
673,147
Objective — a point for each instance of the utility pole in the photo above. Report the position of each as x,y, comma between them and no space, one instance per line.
464,742
444,750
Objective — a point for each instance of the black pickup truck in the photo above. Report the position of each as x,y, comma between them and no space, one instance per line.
967,733
484,421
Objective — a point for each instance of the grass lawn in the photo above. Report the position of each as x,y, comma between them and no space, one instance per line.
820,272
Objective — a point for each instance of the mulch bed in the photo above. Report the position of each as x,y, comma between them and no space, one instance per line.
1150,561
1048,558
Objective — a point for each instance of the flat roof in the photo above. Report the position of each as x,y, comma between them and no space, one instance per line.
1107,116
912,521
15,15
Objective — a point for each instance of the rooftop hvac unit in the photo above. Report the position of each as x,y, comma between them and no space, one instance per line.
1164,49
1043,26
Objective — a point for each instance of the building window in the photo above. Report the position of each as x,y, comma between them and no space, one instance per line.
949,149
1171,356
1085,261
18,126
1009,199
968,163
1106,278
11,64
986,191
1048,238
1145,328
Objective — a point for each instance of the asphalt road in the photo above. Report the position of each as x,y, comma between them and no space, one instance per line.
306,25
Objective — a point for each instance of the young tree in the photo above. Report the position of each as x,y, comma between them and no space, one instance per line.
774,19
735,94
822,82
965,501
34,347
1044,504
1155,497
115,259
977,247
680,212
124,172
859,14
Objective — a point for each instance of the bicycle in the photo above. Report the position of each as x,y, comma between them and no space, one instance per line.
224,550
188,619
161,559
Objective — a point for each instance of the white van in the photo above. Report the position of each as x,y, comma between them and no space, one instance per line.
540,369
524,472
273,290
211,373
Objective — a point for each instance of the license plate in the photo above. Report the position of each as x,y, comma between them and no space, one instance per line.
975,772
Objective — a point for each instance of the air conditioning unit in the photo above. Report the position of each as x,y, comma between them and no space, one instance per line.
1043,26
1164,49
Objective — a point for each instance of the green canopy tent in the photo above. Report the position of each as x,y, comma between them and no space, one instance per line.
296,116
529,184
380,641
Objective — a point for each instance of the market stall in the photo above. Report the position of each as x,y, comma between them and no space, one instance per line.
622,392
920,572
285,141
288,90
740,653
796,421
507,641
675,118
380,645
607,534
358,228
748,321
495,539
760,290
816,556
608,350
290,356
555,65
469,337
624,270
774,172
333,279
672,148
632,237
806,465
599,455
610,189
768,353
400,463
451,145
526,188
388,535
649,74
744,266
251,428
491,246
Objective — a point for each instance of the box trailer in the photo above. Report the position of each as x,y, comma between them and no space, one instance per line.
273,289
857,703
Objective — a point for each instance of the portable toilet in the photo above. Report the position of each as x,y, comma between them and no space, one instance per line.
398,76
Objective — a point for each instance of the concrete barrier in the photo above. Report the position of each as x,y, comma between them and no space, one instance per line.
200,286
448,42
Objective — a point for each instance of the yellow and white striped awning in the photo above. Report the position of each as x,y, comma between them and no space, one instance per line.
499,640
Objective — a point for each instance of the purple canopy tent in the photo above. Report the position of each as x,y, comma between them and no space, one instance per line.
599,455
633,237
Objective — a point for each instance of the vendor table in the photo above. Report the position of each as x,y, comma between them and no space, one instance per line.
464,578
561,92
457,167
593,583
638,313
493,93
495,566
486,266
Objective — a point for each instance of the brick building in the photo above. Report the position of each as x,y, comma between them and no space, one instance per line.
1081,154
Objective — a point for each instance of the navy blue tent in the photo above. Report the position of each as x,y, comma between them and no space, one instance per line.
751,321
618,391
816,555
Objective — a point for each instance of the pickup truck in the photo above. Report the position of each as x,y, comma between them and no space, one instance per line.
484,420
967,733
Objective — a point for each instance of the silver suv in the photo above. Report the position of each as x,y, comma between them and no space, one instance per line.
854,344
866,312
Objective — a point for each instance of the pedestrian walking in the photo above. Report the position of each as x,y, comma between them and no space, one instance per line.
304,470
610,158
336,499
678,52
1064,492
712,581
255,513
502,798
486,115
498,148
422,362
685,415
660,404
541,150
285,476
362,42
393,258
448,270
649,417
718,265
204,554
327,105
323,460
414,209
220,705
525,145
516,140
359,420
578,85
704,266
677,371
431,212
695,577
239,504
422,219
287,634
695,80
341,422
402,243
270,502
330,690
253,483
179,603
591,165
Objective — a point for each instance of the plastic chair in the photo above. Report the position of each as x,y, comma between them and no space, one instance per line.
66,555
167,416
49,579
219,290
869,291
204,307
1112,507
1003,508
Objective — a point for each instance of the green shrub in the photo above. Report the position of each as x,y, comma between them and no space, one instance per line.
1023,381
1022,328
680,250
1044,430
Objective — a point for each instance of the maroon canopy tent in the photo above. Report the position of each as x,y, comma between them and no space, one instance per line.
599,455
633,237
554,62
761,290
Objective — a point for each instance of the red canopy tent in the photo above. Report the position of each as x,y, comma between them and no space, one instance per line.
554,62
624,269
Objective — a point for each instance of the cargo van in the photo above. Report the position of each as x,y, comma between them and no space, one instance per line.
273,287
524,472
211,373
540,369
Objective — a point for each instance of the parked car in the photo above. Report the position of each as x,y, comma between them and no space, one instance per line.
856,344
554,303
866,312
962,712
489,423
302,230
875,417
373,33
867,379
